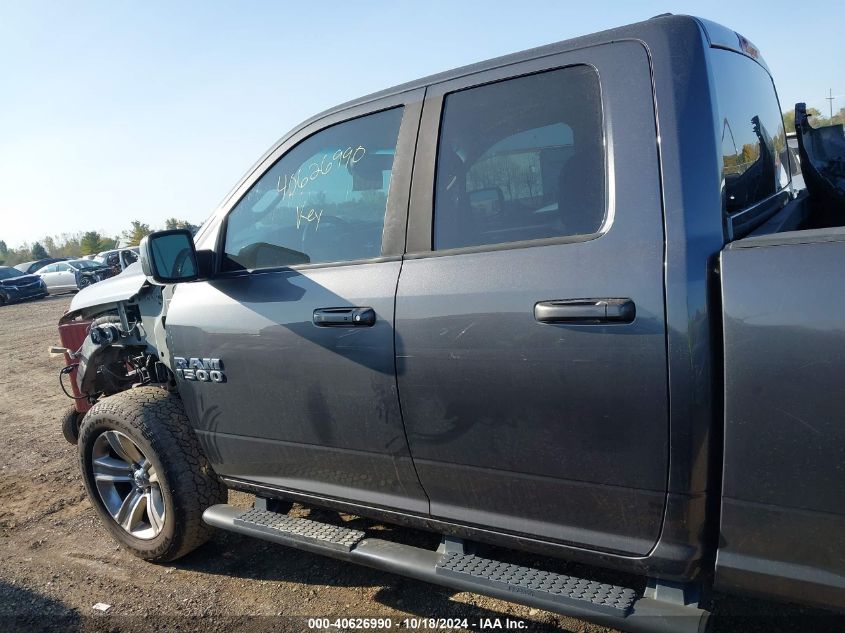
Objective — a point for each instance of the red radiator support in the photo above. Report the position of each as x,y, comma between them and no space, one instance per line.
72,335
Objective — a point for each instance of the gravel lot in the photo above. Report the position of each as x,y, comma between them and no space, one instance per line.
56,561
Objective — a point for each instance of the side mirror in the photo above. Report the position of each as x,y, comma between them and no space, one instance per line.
169,257
488,201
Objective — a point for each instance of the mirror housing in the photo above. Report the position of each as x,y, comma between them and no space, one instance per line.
487,200
169,257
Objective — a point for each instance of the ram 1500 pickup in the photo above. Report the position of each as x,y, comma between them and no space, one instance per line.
564,301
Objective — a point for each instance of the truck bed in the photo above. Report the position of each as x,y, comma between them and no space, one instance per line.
783,506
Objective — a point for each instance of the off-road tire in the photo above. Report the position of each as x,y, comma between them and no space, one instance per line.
70,425
155,420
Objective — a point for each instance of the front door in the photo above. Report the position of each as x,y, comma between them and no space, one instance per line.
299,321
530,324
66,276
59,276
49,274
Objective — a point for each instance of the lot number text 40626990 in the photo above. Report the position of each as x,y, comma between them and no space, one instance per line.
416,623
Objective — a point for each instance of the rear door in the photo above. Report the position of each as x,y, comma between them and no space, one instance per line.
299,318
530,325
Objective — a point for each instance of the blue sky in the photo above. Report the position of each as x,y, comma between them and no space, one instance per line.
114,111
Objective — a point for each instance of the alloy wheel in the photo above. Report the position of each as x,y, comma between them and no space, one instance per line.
128,485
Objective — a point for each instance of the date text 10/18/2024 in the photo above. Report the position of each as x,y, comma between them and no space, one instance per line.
417,623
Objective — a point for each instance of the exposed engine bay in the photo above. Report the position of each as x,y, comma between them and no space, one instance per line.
114,342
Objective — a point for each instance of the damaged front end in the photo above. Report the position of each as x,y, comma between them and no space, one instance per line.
112,340
88,276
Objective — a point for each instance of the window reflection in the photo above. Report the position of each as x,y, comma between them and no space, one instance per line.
323,201
521,159
755,164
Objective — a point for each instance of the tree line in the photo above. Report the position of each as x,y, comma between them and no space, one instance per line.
83,243
817,119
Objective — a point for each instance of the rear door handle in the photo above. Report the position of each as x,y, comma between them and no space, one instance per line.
585,311
344,317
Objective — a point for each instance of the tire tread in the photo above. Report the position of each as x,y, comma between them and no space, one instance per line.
160,418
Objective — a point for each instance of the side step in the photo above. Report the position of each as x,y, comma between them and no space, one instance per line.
563,590
300,530
608,605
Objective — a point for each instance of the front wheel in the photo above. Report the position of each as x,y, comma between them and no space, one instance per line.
146,475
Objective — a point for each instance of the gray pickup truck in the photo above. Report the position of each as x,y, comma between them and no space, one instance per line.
564,301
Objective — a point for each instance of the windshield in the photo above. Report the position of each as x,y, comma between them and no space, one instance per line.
9,273
84,263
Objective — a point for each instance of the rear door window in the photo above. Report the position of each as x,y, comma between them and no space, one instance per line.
521,159
323,201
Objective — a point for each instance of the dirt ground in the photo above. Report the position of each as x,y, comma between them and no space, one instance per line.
57,561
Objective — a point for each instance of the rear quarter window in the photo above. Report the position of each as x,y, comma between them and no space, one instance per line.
755,164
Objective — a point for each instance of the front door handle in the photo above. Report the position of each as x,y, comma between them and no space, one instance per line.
344,317
585,311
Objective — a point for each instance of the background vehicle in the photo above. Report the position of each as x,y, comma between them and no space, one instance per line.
75,274
564,302
119,259
16,286
30,267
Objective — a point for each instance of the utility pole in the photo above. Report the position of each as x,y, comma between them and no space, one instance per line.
830,99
